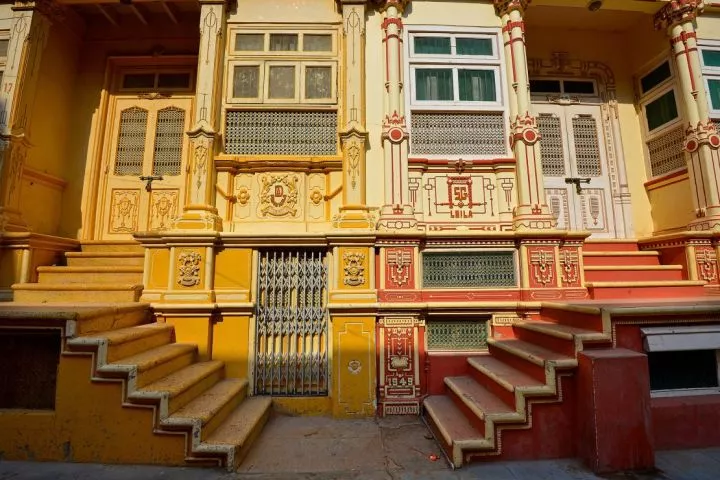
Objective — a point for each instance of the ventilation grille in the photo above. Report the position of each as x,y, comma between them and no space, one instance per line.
131,142
457,134
169,142
587,147
666,152
456,336
469,270
551,146
281,133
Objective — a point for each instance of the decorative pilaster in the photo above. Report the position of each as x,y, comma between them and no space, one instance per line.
532,211
28,36
199,211
397,213
702,141
354,212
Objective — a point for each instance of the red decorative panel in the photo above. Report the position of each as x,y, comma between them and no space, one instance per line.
542,267
707,264
400,348
570,267
400,268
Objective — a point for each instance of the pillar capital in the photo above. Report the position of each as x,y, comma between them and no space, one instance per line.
678,11
504,7
383,5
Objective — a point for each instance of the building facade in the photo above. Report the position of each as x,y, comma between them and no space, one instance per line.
496,214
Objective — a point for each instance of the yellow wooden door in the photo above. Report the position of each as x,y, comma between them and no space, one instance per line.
145,162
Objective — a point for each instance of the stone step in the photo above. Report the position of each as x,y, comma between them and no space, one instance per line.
208,411
451,427
91,274
620,258
529,358
76,293
100,246
239,430
90,259
647,290
480,403
620,245
126,342
556,337
180,388
632,273
502,379
153,364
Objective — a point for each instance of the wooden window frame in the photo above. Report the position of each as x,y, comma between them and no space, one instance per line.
710,73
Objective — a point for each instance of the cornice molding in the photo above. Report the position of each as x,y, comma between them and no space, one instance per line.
49,8
504,7
678,11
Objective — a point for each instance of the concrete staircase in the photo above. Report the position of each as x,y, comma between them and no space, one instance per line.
618,270
499,386
100,272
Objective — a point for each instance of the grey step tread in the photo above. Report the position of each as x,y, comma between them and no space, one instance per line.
477,398
105,254
156,356
206,405
107,287
450,420
91,269
621,253
178,382
239,425
531,352
508,377
122,335
630,268
641,284
556,329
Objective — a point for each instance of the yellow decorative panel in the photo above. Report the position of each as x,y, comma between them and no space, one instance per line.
163,208
671,206
189,268
354,375
124,211
233,268
230,344
354,268
159,268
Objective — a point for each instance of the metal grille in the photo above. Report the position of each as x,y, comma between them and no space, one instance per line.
666,152
551,146
587,146
471,269
281,133
291,324
131,142
169,141
457,134
457,336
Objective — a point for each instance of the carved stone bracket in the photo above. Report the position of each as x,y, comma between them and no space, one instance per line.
678,11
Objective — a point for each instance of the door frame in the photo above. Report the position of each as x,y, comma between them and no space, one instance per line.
559,66
101,127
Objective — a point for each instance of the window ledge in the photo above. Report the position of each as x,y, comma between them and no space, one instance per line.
685,392
667,179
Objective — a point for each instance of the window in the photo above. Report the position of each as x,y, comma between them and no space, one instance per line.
710,56
4,44
662,120
145,80
683,360
455,96
560,87
281,95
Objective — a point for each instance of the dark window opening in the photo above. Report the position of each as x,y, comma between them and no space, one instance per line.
683,369
174,80
138,80
655,78
579,87
545,86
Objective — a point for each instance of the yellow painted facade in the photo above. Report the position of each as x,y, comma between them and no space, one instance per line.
359,197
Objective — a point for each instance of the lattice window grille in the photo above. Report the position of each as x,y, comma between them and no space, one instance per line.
131,142
456,335
169,141
457,133
469,269
666,152
291,329
552,151
587,146
271,132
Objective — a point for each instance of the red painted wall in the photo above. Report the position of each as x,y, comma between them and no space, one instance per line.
686,422
438,366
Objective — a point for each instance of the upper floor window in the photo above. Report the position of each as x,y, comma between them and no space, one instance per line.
456,94
662,119
710,55
4,44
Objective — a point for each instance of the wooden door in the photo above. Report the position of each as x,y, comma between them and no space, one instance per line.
144,165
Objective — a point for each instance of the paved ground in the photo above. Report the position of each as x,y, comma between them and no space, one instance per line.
396,448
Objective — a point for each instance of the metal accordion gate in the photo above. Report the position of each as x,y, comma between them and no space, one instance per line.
291,323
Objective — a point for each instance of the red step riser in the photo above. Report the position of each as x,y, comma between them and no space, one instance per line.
606,293
495,388
633,275
559,345
477,423
589,321
535,371
611,261
610,247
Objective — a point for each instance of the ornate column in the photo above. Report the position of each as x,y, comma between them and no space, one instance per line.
28,36
532,211
702,142
396,213
354,212
199,212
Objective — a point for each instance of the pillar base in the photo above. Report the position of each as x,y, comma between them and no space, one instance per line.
533,217
198,220
397,217
11,221
354,217
706,223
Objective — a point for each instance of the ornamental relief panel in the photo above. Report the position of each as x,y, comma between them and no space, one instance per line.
124,211
188,265
163,209
354,268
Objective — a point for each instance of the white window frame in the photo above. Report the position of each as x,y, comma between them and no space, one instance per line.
540,96
494,62
710,73
4,35
645,98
